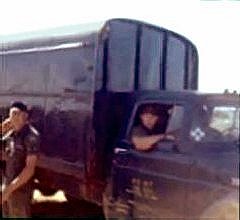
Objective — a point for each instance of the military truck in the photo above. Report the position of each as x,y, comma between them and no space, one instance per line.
85,87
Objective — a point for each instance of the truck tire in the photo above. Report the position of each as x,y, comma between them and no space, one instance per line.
225,209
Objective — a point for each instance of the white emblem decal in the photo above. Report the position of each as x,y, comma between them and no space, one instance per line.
197,134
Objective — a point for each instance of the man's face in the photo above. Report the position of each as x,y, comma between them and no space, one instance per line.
149,120
18,118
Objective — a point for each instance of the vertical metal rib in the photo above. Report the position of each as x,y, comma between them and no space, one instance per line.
105,65
186,67
137,56
163,62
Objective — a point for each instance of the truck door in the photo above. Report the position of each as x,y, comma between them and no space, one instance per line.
153,183
214,134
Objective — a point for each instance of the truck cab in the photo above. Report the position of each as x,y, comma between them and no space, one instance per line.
182,177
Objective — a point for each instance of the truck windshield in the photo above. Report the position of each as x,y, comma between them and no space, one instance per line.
216,123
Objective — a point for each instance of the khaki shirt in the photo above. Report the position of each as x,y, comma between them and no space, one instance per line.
18,146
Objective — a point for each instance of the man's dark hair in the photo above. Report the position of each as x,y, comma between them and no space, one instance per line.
160,110
155,109
19,105
148,109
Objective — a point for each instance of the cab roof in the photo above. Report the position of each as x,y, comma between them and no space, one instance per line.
187,95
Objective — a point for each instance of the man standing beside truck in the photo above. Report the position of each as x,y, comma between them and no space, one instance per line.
22,144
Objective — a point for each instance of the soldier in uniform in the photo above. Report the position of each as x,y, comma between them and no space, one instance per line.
152,127
22,144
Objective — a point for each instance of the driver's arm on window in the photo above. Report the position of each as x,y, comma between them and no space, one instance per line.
145,143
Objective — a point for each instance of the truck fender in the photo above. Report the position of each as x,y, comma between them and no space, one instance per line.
225,208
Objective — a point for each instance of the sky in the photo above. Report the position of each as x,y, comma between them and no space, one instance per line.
212,25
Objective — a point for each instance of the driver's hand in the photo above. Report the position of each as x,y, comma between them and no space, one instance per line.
6,125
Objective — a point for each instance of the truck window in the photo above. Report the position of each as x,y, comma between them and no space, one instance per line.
226,120
150,58
175,64
175,119
155,122
219,123
121,57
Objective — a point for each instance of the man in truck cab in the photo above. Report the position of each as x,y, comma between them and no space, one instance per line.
151,120
22,143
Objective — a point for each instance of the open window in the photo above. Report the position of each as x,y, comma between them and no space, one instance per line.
154,123
215,123
176,119
226,120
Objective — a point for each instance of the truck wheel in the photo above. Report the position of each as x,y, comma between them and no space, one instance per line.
222,210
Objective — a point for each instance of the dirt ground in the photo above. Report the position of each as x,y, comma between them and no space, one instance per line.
58,206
